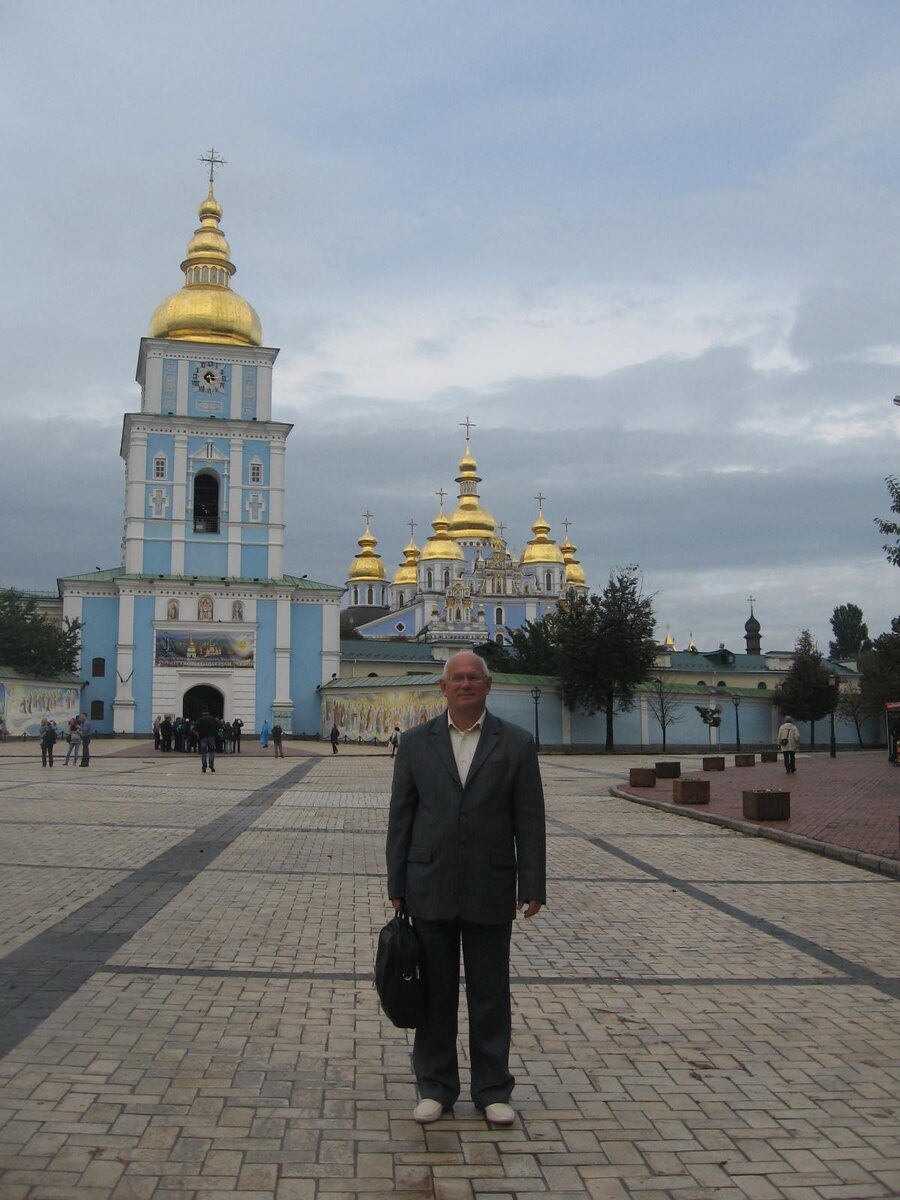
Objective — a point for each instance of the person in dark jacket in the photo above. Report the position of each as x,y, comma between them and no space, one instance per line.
207,729
466,848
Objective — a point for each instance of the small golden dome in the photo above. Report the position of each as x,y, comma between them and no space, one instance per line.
439,545
206,309
469,520
407,572
541,549
367,566
575,576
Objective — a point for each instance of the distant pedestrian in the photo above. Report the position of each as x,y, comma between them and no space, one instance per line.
236,726
157,738
277,733
74,739
334,737
788,738
264,735
87,732
394,740
48,741
206,729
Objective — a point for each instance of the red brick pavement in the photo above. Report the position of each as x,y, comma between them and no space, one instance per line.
851,802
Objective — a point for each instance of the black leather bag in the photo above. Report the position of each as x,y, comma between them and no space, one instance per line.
400,973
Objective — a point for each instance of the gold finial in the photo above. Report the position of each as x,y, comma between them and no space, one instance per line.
214,161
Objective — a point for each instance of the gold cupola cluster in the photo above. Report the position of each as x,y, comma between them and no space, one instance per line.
406,574
440,545
206,309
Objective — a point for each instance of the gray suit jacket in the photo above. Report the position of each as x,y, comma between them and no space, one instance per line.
466,851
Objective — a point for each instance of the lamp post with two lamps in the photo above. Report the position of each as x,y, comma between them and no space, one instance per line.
536,695
736,701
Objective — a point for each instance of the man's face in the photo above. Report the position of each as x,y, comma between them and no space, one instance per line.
465,687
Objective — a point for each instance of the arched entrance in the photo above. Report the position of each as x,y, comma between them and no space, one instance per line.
200,699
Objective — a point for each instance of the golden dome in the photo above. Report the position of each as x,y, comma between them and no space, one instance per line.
206,309
469,519
541,549
440,545
367,566
407,572
575,576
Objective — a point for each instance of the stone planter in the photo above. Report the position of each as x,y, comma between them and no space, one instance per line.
767,804
668,770
768,756
644,777
690,791
714,763
745,760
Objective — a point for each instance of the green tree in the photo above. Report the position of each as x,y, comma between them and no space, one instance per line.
852,707
605,646
805,693
880,672
851,633
891,528
531,650
33,644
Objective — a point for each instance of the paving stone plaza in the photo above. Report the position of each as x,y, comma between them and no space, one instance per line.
188,1008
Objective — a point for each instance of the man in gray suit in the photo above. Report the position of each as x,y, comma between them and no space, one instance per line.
465,848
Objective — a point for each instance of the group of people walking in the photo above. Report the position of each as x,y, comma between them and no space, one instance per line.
78,734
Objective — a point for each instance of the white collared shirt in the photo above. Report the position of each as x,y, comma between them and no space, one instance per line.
464,743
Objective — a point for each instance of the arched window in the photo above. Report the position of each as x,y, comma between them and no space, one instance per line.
98,668
356,595
761,687
458,614
548,581
401,599
498,616
256,476
721,683
370,596
701,683
206,502
382,597
446,579
499,639
160,467
97,710
205,608
429,579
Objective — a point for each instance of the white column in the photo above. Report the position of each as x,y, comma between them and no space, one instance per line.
135,500
124,705
179,499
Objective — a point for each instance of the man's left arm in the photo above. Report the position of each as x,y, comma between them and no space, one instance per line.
530,832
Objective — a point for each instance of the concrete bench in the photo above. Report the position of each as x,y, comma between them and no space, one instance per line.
690,791
766,804
668,770
643,777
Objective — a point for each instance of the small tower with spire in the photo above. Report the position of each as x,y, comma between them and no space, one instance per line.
752,629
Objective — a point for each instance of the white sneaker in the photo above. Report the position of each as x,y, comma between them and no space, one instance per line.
499,1114
427,1111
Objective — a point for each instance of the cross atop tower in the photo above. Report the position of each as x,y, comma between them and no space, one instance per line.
412,529
214,161
368,516
566,524
540,499
469,426
751,600
442,494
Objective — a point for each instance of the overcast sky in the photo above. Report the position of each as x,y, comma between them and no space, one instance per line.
652,250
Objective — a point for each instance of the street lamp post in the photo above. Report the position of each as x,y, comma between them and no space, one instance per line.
832,684
736,701
536,695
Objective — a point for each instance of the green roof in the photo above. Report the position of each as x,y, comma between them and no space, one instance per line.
304,585
34,677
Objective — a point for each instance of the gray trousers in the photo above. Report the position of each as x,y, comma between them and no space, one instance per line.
485,951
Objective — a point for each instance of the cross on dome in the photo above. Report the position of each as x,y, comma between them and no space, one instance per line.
214,161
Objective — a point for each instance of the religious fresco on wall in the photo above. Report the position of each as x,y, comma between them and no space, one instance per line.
23,705
364,716
203,648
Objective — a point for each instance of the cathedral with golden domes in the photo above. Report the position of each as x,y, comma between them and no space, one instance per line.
200,613
464,586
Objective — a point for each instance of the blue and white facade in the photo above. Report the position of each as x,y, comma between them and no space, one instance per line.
201,613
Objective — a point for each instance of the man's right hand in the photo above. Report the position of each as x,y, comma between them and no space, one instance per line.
397,905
